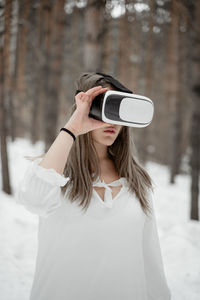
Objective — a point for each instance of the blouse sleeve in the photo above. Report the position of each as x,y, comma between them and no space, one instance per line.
156,283
39,190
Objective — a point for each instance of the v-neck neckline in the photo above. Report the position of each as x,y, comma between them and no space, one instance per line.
116,196
113,199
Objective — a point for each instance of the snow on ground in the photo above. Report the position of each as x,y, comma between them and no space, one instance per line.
179,236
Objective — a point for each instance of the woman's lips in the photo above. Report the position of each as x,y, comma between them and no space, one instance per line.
111,131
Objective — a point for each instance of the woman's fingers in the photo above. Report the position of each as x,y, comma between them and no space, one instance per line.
96,92
100,91
91,93
94,89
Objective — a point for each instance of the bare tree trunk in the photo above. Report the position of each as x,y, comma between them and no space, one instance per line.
45,24
124,50
111,51
19,80
54,59
72,60
6,57
94,21
144,135
135,54
172,91
176,128
34,61
185,82
22,46
12,94
4,46
195,121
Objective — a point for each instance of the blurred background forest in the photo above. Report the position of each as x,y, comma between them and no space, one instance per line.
151,46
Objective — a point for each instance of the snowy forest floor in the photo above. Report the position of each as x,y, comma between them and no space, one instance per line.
179,236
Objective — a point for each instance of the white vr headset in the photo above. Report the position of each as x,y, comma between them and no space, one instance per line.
121,108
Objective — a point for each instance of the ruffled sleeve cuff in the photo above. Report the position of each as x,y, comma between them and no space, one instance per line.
49,175
39,190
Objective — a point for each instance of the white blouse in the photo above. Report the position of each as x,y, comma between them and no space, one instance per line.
111,252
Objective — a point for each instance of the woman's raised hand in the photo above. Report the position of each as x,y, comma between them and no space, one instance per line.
80,122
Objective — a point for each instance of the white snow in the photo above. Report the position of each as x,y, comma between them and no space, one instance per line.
179,236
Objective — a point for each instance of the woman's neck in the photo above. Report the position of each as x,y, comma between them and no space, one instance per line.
102,152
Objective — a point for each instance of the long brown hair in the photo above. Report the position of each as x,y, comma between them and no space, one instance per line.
83,159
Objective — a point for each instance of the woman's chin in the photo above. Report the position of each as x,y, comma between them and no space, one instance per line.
107,141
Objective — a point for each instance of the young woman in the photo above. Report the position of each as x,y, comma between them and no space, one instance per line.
97,236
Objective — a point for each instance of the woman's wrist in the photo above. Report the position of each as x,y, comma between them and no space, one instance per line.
69,127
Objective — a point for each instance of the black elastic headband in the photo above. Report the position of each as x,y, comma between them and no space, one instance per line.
114,82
